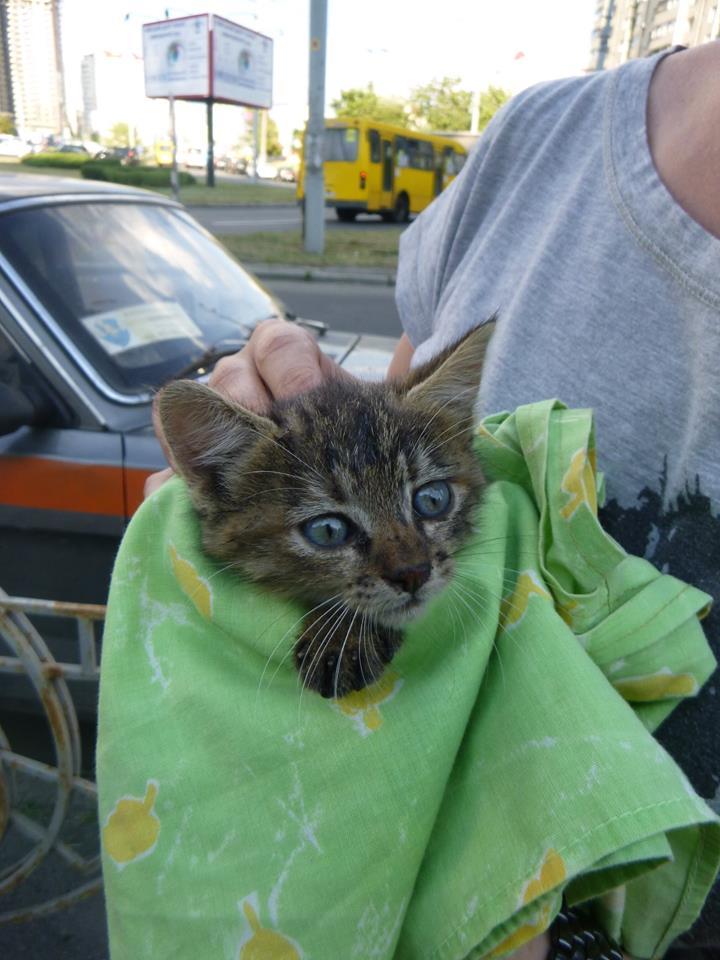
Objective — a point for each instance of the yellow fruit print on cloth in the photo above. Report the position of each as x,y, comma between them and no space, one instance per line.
265,944
551,874
363,705
579,483
514,607
132,827
567,611
661,685
193,585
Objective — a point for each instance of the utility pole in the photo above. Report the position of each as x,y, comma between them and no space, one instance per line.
174,178
256,143
210,167
314,211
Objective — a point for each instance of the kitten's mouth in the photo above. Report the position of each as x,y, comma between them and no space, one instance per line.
409,608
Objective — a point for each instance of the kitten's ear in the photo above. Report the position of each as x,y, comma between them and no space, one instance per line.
202,429
451,380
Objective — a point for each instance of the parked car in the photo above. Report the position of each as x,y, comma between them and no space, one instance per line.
193,157
14,147
106,293
72,148
128,156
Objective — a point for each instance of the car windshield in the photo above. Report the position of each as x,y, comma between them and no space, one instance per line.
137,287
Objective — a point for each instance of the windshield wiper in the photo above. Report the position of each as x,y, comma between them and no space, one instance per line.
209,357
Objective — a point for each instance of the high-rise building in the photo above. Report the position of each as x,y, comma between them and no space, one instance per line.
31,72
6,98
638,28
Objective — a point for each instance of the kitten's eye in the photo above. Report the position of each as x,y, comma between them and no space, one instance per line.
433,499
327,531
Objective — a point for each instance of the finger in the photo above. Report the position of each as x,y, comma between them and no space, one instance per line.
287,358
237,379
400,363
156,480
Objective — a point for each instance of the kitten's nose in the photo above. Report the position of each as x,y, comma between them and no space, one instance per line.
409,578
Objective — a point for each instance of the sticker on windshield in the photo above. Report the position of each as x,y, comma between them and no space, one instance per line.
120,330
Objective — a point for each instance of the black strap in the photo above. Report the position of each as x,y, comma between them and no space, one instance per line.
574,936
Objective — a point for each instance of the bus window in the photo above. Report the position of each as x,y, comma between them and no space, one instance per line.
340,143
402,154
374,138
415,154
423,158
459,159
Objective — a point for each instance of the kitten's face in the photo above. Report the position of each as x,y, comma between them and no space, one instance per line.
353,499
360,494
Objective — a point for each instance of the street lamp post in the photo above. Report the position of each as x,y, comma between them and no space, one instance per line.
314,218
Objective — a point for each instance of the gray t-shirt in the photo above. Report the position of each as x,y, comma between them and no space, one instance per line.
608,296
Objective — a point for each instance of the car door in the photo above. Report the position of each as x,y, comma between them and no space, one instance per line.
62,496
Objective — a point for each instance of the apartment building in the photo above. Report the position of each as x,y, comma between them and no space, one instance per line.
31,73
638,28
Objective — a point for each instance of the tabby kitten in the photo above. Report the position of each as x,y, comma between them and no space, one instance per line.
352,499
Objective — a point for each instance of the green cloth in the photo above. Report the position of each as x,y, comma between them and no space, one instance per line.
503,759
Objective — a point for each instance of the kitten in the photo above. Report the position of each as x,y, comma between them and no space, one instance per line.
352,499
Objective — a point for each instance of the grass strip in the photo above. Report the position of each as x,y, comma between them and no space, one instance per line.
219,195
343,248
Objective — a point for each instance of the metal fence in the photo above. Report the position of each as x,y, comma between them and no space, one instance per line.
30,657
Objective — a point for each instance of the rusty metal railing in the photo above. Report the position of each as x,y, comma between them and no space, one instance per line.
30,657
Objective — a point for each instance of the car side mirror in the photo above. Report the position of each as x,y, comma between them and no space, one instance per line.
18,409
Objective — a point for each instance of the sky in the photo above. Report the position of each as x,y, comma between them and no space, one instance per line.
396,44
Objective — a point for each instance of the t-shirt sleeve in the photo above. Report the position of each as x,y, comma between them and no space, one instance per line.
425,245
436,242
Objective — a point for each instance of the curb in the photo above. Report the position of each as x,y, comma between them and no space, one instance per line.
269,271
243,206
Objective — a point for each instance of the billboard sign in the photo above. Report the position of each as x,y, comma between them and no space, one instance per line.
177,58
242,64
206,57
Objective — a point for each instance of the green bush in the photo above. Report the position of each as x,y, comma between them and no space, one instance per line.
70,161
132,176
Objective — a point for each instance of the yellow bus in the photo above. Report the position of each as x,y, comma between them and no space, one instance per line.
380,168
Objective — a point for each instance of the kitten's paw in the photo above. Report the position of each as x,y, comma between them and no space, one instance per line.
334,667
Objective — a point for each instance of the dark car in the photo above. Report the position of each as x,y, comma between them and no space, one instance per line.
127,156
106,293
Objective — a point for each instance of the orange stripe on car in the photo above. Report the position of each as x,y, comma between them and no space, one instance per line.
44,484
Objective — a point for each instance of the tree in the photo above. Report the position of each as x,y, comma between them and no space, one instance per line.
119,135
441,105
273,145
490,102
359,102
7,125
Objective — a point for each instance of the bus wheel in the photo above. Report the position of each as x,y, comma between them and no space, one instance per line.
401,210
346,214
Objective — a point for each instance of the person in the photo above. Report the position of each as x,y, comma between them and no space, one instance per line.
588,218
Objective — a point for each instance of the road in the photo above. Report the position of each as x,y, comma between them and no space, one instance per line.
236,219
355,307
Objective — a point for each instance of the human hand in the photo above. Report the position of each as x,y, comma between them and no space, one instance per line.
279,360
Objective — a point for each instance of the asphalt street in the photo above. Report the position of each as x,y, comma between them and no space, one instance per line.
250,219
354,307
